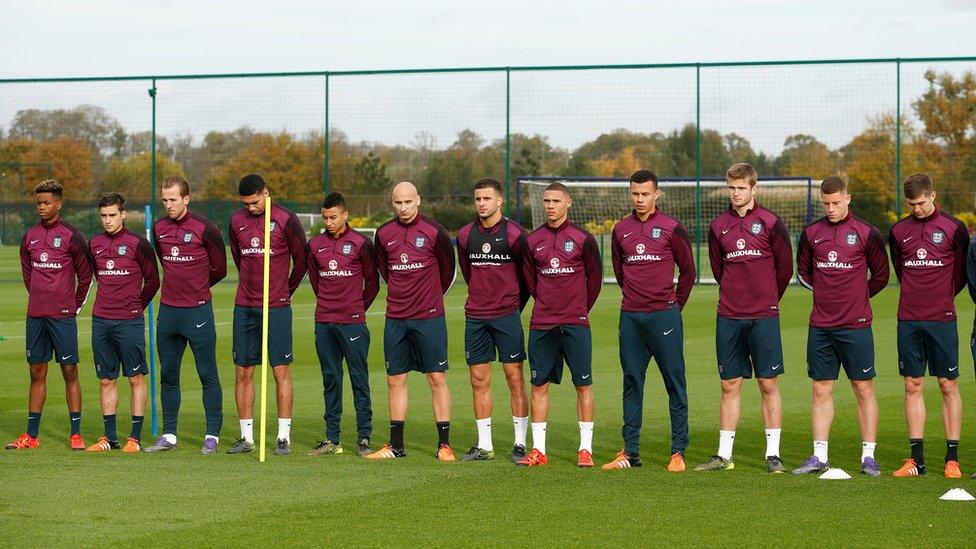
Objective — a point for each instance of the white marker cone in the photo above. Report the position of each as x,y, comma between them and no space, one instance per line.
957,494
834,473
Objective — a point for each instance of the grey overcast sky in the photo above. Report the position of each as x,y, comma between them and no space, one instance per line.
44,38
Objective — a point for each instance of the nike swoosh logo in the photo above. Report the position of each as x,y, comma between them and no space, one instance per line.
318,251
725,231
390,243
241,229
628,234
65,357
498,240
904,240
354,338
288,355
540,248
201,325
32,242
776,367
513,356
584,377
669,331
818,241
162,236
441,363
954,369
866,371
76,419
99,251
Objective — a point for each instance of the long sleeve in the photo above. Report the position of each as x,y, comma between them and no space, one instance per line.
216,253
593,268
150,272
804,261
685,260
25,263
715,256
960,245
81,258
297,247
381,259
371,278
782,256
616,258
312,268
971,269
462,257
877,260
523,267
896,256
445,260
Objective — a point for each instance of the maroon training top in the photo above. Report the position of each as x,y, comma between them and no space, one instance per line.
567,275
343,273
833,260
128,277
51,258
246,238
495,266
417,261
752,260
192,254
929,257
644,257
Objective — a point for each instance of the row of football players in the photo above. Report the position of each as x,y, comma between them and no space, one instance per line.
840,257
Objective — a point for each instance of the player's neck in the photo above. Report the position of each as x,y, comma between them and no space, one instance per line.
557,223
491,221
743,210
116,231
340,232
646,215
411,220
182,215
52,222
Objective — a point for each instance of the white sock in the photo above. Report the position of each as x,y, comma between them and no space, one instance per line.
284,428
772,442
521,426
170,438
484,434
867,450
725,440
539,436
247,430
216,439
586,436
820,450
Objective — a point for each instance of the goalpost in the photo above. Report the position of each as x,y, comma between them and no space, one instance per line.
598,203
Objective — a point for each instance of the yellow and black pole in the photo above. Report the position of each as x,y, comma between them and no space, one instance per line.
264,323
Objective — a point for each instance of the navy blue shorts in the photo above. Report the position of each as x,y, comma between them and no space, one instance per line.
746,346
415,344
486,339
829,348
47,337
927,342
549,349
119,344
247,336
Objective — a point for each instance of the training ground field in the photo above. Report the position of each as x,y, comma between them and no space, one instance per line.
52,496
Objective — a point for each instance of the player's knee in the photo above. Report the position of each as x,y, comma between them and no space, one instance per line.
437,380
768,386
949,387
70,373
913,385
106,382
731,387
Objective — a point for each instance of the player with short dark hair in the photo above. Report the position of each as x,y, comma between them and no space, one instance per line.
245,235
53,256
191,251
646,247
493,259
835,254
928,252
752,260
343,273
416,258
566,279
128,278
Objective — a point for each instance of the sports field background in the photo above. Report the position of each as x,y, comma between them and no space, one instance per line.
54,496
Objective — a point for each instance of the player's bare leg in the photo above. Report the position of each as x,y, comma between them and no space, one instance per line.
38,387
773,420
108,394
952,423
138,399
867,418
823,408
284,395
915,406
728,409
516,386
440,395
540,415
244,391
72,387
584,411
481,389
398,396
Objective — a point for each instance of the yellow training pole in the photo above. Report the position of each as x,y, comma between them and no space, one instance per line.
264,322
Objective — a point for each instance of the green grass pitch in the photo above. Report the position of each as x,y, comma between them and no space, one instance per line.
52,496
